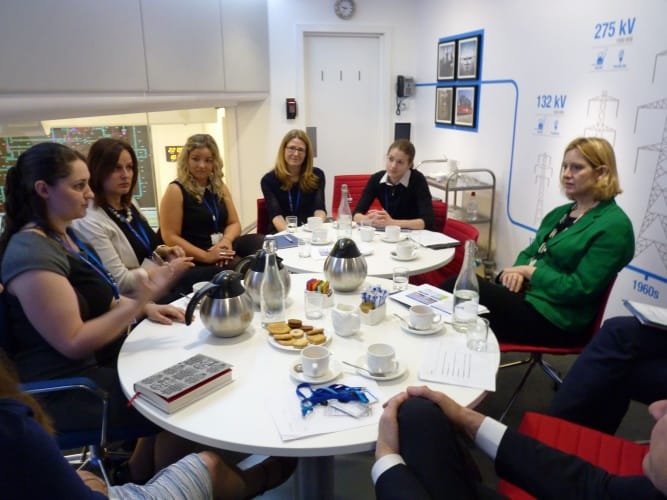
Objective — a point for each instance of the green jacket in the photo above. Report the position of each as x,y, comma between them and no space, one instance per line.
571,277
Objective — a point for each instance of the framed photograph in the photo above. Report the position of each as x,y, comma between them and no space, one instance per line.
465,104
468,61
446,60
444,105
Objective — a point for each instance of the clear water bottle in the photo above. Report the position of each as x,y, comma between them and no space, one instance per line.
466,291
344,214
472,207
272,289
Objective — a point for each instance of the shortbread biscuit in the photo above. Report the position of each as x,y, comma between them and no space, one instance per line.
299,343
278,328
317,339
283,336
315,331
294,323
296,333
289,342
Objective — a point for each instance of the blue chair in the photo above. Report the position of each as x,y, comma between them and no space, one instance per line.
92,443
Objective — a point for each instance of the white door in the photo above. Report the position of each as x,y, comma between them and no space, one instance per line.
343,103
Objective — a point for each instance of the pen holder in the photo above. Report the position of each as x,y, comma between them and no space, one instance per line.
373,316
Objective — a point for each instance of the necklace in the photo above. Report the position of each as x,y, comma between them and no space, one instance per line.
126,217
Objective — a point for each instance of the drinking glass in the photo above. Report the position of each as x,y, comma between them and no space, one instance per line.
400,278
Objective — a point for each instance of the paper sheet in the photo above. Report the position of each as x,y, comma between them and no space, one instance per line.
454,363
285,408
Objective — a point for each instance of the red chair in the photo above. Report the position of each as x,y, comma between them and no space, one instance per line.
263,222
615,455
456,229
537,352
355,186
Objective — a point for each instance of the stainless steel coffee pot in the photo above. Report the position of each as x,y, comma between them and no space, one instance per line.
226,306
345,267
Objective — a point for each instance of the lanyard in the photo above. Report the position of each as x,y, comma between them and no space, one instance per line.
93,261
141,235
293,208
213,209
340,392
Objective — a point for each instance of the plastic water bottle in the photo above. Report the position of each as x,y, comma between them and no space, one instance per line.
466,291
272,289
344,213
472,207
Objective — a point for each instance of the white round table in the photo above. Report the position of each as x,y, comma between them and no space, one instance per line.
235,417
380,260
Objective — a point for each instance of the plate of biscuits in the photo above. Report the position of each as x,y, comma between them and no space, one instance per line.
294,335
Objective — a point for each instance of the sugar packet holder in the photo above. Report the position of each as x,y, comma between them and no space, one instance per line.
373,308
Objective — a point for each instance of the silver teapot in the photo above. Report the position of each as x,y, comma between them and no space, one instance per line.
226,306
345,267
253,271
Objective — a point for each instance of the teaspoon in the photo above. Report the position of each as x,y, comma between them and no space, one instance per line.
373,374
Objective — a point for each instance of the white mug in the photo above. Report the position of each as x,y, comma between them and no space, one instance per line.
405,249
367,233
381,358
422,317
314,222
315,360
392,233
320,235
346,320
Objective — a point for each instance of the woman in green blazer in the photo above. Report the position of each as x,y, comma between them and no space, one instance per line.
554,289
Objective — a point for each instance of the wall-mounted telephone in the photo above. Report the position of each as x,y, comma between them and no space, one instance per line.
405,86
290,108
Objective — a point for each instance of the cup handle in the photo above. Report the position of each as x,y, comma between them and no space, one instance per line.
435,321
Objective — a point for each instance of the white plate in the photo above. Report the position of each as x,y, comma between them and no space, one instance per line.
321,243
289,348
395,256
400,238
333,372
361,361
429,331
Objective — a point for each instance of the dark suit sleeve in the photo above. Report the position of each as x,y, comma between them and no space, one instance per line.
318,201
546,473
368,194
399,483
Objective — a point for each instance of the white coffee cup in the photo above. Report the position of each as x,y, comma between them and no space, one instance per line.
381,358
405,249
346,319
320,235
315,360
392,233
314,223
422,317
367,233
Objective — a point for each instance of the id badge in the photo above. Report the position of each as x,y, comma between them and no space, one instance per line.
215,238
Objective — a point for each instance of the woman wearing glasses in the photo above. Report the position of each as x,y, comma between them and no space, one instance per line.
294,186
197,212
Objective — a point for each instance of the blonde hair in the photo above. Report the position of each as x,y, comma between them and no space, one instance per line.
199,141
599,152
308,181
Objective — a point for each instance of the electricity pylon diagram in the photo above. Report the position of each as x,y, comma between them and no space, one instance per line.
543,173
600,129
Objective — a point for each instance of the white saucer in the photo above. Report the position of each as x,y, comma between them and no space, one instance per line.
400,238
333,372
289,348
321,243
365,248
395,256
361,361
429,331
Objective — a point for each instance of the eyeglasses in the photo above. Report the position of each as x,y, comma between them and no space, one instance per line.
294,149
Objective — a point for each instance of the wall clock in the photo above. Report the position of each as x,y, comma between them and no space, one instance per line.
344,8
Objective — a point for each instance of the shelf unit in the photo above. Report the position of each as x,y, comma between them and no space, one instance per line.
455,183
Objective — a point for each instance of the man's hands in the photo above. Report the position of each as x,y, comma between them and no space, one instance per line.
387,442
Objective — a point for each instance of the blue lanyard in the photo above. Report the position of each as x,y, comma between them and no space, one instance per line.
143,237
340,392
292,208
213,209
94,262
